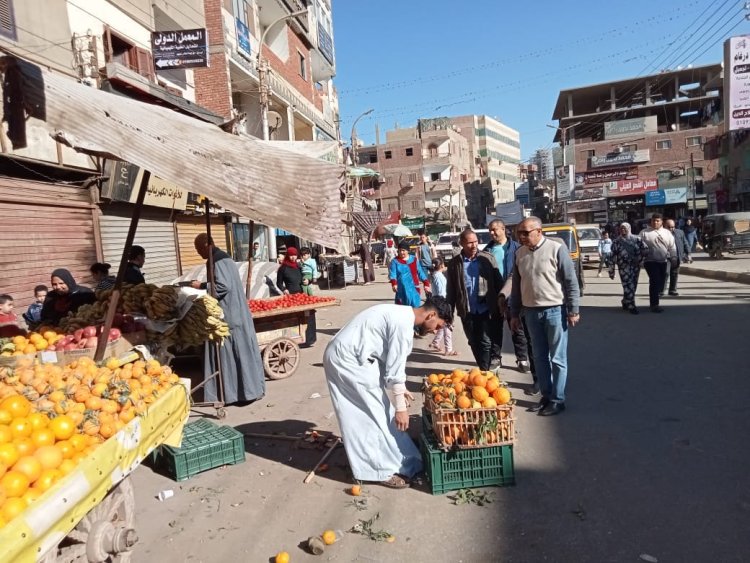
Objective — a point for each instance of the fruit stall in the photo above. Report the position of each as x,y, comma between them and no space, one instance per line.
69,437
280,325
468,430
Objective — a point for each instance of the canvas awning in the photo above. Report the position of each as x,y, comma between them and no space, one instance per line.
257,179
367,221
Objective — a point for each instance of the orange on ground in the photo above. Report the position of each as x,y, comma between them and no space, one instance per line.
328,537
355,491
281,557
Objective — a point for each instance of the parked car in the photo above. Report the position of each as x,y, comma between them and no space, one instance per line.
589,237
484,237
726,232
567,233
447,246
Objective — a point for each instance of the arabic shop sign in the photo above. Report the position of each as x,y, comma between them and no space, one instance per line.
601,176
631,187
737,66
185,48
629,127
618,158
413,223
243,38
126,179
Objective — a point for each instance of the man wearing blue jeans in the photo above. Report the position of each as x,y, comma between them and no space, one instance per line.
545,291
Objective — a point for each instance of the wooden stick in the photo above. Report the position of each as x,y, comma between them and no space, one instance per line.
272,436
322,459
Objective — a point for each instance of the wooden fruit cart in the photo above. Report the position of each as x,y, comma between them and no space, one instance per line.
89,515
279,332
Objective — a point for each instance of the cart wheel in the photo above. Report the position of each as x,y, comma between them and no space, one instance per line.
106,533
281,358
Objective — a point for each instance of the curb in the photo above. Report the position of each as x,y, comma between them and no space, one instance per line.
737,277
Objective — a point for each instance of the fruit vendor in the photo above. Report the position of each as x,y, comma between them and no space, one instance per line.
66,297
366,357
136,260
243,378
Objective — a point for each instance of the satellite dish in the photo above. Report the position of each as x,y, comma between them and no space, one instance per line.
274,121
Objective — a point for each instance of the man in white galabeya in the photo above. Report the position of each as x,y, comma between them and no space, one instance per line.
545,291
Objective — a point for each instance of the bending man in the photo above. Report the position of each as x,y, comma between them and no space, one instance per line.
366,357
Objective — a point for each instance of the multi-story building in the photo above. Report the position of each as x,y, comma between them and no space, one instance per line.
636,144
423,171
301,60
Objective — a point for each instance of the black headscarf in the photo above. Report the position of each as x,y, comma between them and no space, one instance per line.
67,278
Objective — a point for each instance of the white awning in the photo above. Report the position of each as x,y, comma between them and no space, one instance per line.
257,179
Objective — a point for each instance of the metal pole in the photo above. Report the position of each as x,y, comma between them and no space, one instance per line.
353,135
212,292
114,298
249,260
692,181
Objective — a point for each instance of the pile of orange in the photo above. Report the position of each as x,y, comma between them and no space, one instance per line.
32,343
52,416
462,389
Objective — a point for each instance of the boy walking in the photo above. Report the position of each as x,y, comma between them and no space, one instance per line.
443,341
605,252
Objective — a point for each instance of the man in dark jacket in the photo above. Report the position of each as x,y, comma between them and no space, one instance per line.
473,286
504,251
683,253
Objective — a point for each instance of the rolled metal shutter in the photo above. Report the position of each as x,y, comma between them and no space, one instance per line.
155,233
188,228
43,227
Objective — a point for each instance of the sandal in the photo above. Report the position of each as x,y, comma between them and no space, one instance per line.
395,482
451,353
436,347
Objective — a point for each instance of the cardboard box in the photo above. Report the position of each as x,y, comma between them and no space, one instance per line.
114,349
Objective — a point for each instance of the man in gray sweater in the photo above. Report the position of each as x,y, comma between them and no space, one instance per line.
545,291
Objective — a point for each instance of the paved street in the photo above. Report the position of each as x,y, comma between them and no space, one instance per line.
649,458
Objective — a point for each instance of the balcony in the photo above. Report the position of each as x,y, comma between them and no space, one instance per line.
435,159
440,187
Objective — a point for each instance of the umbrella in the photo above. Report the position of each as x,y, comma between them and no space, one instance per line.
397,230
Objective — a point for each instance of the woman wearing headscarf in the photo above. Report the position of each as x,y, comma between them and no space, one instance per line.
100,273
405,273
628,253
66,297
289,276
390,252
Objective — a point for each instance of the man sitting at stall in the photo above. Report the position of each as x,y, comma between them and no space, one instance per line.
242,369
66,297
365,357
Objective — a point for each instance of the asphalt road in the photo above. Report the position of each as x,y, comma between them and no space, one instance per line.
650,459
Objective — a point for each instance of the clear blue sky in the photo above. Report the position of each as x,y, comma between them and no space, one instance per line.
416,58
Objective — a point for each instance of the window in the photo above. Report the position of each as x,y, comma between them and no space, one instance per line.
388,155
302,66
392,207
122,51
410,151
629,148
435,176
590,153
663,175
433,151
7,19
373,158
694,141
663,144
412,176
415,204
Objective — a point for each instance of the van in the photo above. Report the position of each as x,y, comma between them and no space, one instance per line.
447,246
589,237
567,233
726,232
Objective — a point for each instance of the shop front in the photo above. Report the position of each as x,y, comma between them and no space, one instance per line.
588,211
670,202
45,226
626,199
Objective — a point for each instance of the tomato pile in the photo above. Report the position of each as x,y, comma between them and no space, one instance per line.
287,301
51,417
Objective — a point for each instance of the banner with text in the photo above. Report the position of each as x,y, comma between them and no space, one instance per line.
564,178
184,48
631,187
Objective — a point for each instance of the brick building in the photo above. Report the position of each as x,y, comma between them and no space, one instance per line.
631,142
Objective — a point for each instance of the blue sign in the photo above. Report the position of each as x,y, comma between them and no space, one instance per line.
243,38
325,44
655,197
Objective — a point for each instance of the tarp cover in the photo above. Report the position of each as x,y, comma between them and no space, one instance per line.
256,179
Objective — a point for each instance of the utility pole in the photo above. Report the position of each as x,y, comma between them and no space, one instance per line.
692,181
353,137
563,139
262,68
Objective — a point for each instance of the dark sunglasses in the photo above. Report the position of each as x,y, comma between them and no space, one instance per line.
527,233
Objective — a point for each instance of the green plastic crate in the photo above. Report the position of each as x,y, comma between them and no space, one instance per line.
201,451
466,469
197,427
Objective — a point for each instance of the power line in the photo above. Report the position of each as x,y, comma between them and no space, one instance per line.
726,33
720,33
635,26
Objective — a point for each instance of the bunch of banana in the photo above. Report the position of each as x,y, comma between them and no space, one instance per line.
202,322
86,315
134,297
6,345
162,304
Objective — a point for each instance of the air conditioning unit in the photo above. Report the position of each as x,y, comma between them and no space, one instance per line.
618,150
409,184
678,172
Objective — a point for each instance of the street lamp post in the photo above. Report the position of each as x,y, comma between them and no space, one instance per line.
353,136
262,68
